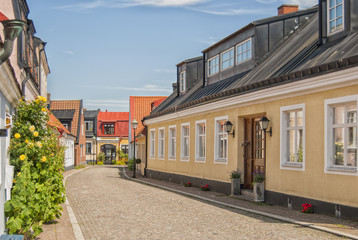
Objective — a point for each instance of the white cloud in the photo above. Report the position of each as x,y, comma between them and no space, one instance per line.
228,11
302,3
69,52
267,1
145,88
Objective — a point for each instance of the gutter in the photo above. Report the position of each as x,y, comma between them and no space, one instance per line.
146,148
23,84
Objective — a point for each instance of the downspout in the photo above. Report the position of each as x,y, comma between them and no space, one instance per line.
204,81
12,29
146,148
23,84
43,49
178,86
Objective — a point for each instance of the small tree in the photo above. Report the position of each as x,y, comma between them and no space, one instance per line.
38,190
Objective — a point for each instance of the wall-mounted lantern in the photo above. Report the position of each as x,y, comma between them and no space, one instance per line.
228,127
264,122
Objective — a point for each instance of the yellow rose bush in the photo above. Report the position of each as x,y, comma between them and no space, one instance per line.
38,190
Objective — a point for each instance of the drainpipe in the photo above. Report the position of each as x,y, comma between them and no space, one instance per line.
146,148
12,29
27,70
204,81
43,49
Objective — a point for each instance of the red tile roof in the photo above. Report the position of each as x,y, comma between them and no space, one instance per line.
54,122
3,17
141,106
69,105
120,119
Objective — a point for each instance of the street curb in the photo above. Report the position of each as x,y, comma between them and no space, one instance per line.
273,216
76,227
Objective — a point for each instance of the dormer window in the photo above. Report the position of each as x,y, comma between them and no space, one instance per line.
335,15
243,51
108,128
213,66
182,80
227,59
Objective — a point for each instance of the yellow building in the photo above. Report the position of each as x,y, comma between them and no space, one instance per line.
304,82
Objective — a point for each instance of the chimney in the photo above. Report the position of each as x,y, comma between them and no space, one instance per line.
287,8
175,86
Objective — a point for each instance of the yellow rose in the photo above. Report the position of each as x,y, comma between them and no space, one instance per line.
39,144
22,157
26,141
17,135
43,109
43,159
32,128
19,174
13,180
52,154
36,134
20,100
44,99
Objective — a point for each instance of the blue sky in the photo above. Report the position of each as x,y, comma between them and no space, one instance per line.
103,51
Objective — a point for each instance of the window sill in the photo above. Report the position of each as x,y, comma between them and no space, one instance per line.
200,160
184,159
342,169
171,159
221,161
292,165
161,158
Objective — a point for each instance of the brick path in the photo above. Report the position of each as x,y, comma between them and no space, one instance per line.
108,206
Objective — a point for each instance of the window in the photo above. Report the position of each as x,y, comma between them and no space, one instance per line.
293,137
124,148
243,51
108,128
341,134
221,146
89,125
172,142
152,143
182,79
335,15
227,59
161,143
213,66
88,148
200,140
185,141
82,129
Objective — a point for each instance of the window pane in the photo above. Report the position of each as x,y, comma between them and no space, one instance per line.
332,3
299,140
338,136
339,1
339,11
291,145
338,113
291,119
339,22
300,118
332,14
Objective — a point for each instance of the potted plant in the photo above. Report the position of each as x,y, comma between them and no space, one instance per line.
205,187
235,176
259,187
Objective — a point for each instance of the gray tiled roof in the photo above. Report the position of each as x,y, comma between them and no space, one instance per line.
63,114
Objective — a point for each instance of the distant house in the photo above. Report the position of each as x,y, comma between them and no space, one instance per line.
300,71
112,134
139,107
70,114
66,139
91,134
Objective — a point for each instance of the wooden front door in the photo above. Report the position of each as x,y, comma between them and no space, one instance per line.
254,150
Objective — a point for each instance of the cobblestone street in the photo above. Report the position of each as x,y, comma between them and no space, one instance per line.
110,207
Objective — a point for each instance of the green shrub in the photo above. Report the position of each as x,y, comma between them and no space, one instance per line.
113,162
38,190
99,163
101,157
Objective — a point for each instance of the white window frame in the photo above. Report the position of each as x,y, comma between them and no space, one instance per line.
328,20
91,148
182,142
90,125
328,126
237,52
182,81
222,61
161,140
218,160
152,143
172,152
197,136
284,161
218,65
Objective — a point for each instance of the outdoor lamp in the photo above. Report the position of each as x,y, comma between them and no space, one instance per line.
264,122
12,29
228,128
134,126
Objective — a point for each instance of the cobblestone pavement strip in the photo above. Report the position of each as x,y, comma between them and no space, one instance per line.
110,207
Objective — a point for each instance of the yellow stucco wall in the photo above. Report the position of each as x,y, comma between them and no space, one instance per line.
312,183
